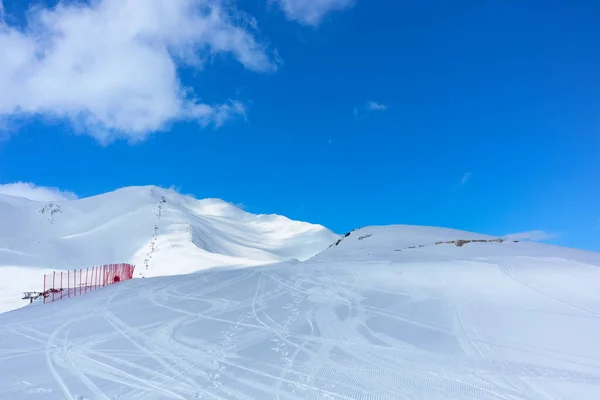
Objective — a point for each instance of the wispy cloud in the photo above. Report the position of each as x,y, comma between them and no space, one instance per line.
374,106
536,236
110,67
370,106
465,178
311,12
37,193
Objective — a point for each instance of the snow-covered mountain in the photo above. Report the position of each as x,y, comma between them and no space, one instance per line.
411,243
397,312
148,226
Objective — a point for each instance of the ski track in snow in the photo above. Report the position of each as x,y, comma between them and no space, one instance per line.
311,331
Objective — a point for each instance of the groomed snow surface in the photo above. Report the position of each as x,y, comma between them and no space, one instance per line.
369,318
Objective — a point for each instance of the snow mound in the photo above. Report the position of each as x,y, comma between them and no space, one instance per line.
161,231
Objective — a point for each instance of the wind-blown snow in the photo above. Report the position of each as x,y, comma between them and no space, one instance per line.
120,227
360,320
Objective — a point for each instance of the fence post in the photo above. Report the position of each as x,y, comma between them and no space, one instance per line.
80,274
68,284
61,284
53,284
44,294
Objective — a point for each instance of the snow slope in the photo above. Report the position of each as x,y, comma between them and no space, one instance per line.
119,226
360,320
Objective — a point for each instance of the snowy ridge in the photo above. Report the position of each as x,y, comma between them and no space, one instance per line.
374,241
159,230
408,243
482,321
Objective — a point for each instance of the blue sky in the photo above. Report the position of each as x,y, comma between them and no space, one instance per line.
476,115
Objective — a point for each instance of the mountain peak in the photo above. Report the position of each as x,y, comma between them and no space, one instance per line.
160,230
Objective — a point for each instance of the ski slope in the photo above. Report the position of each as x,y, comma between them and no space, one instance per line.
160,231
370,318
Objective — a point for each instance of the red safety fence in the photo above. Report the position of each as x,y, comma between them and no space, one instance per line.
64,284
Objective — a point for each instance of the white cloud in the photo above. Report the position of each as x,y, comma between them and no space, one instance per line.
465,178
111,66
37,193
311,12
374,106
241,206
536,236
369,107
